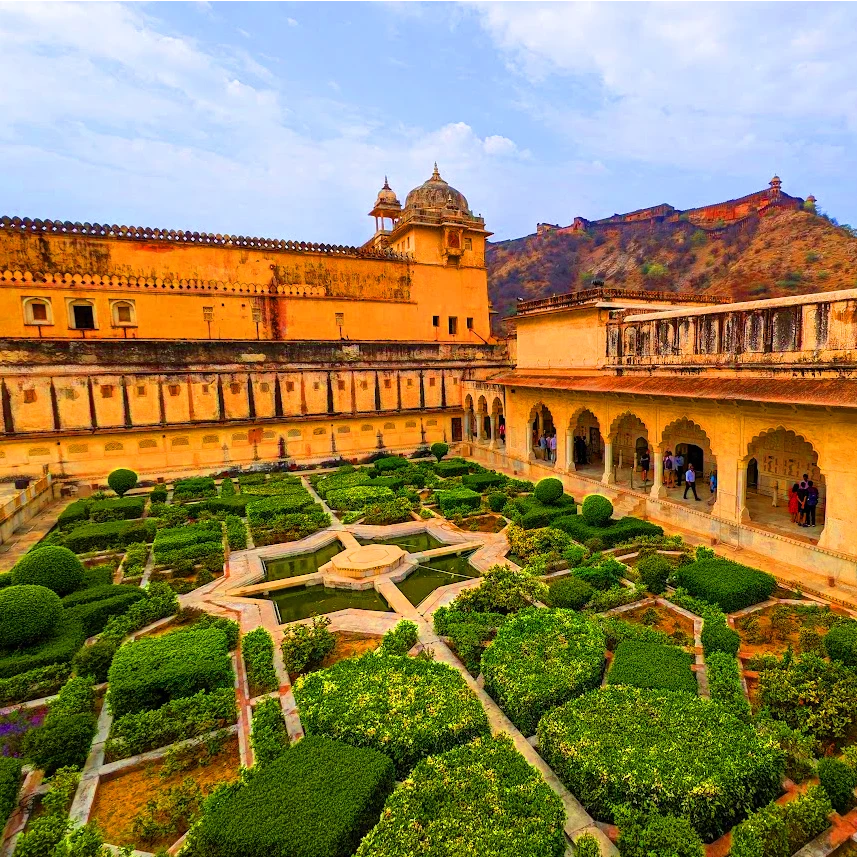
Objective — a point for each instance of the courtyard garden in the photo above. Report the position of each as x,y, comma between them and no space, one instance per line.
688,702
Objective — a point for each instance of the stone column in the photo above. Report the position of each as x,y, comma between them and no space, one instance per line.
569,452
741,493
477,434
495,425
467,426
607,478
658,488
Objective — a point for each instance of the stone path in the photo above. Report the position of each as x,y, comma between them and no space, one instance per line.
28,534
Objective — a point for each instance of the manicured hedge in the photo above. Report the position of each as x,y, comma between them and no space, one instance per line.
468,631
99,593
234,504
122,480
617,630
258,650
652,749
345,499
268,735
541,659
407,708
459,498
724,683
35,684
158,495
341,480
10,783
179,719
782,829
194,488
126,508
655,665
716,635
840,642
547,543
148,673
55,567
93,615
453,467
729,585
190,543
481,482
502,590
570,592
75,512
390,463
549,490
113,534
392,512
596,510
317,800
58,647
27,614
656,835
615,533
482,798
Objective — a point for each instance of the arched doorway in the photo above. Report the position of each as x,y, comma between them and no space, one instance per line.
585,444
686,438
541,432
778,460
629,437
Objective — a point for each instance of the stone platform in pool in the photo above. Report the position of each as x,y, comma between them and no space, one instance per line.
366,561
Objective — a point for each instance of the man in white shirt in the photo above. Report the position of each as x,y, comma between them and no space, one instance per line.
690,482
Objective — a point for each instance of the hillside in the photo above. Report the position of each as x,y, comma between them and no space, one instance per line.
789,252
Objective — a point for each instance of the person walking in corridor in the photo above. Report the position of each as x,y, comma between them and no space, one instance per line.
690,482
811,503
552,447
645,463
669,472
678,464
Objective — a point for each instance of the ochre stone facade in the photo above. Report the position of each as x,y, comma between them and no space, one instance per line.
165,351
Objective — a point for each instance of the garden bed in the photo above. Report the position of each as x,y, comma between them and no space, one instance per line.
483,524
660,617
773,629
121,798
350,644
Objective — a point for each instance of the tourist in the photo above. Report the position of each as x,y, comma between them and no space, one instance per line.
645,462
678,465
669,475
794,508
503,433
543,445
811,503
690,482
712,487
552,447
802,490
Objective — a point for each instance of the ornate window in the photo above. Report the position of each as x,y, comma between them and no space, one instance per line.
294,432
38,311
147,444
344,430
208,313
106,391
39,451
410,424
141,390
29,396
388,426
319,430
366,428
290,386
210,438
431,423
174,389
113,446
123,313
81,314
181,441
78,448
268,435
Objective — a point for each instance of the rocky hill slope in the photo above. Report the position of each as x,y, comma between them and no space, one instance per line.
781,254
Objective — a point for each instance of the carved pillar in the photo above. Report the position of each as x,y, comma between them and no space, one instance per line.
467,425
658,489
570,466
607,477
495,426
742,514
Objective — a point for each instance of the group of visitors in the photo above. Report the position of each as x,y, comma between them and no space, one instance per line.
547,445
676,472
803,501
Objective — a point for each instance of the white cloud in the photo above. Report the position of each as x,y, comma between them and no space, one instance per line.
291,22
114,117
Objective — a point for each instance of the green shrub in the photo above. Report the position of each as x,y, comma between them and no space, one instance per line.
160,602
75,512
42,837
617,630
716,635
236,533
59,646
158,494
601,572
459,498
34,684
64,737
482,798
306,647
94,615
123,509
150,672
390,463
729,585
811,695
55,567
840,642
266,509
401,639
341,480
258,650
502,590
194,488
408,707
438,450
113,534
724,683
596,510
177,720
10,782
549,490
268,735
452,467
643,835
798,749
546,542
541,659
296,805
652,665
393,512
227,488
98,575
654,571
587,846
481,482
570,592
122,480
27,613
779,830
839,781
95,660
468,632
614,533
232,504
496,501
669,752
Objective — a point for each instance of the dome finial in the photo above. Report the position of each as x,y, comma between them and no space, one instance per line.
436,175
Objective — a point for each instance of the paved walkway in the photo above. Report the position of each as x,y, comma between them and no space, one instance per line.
28,534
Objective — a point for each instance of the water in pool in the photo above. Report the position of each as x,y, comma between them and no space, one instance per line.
435,572
413,543
302,563
304,601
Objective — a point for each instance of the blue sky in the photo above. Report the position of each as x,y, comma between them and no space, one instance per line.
281,119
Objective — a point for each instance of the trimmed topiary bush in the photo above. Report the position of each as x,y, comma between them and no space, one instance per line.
406,707
643,664
596,510
729,585
654,750
122,480
571,592
317,800
839,781
587,846
268,735
644,836
549,490
55,567
10,782
654,571
840,642
27,614
438,450
541,659
482,798
401,639
460,498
